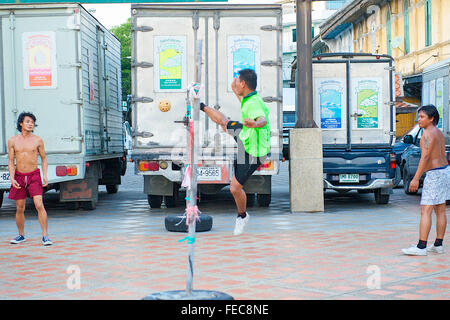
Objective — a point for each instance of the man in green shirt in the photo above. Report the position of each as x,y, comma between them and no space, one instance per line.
252,137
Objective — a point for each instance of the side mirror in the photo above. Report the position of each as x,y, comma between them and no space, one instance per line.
408,139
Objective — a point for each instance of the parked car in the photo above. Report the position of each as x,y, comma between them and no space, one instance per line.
399,147
288,123
410,158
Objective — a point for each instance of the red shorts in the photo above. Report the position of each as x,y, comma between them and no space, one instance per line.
30,182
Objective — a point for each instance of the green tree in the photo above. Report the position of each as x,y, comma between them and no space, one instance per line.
123,33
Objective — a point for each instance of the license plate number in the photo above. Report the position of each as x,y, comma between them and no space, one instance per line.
4,177
209,173
352,178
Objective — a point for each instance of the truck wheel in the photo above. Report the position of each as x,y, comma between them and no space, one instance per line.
88,205
398,176
171,201
1,198
381,198
112,188
250,199
264,199
72,205
406,181
154,201
177,223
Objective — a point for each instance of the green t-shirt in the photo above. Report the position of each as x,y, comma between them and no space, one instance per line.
256,140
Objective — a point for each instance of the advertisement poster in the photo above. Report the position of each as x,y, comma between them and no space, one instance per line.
330,96
440,99
433,92
368,100
39,60
170,63
243,53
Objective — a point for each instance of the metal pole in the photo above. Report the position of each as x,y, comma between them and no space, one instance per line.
304,106
195,112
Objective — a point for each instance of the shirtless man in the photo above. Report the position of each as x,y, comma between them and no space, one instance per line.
25,175
436,186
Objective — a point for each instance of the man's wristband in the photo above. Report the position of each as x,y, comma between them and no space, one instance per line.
202,106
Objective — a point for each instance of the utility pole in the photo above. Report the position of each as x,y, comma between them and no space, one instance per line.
304,80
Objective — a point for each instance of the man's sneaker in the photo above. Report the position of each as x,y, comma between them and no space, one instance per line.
439,249
414,251
240,224
46,241
18,239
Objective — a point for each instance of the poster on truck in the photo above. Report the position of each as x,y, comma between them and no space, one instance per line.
170,63
330,95
367,103
243,53
440,99
39,60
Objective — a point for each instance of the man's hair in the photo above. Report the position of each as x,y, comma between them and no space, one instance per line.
249,77
431,111
22,117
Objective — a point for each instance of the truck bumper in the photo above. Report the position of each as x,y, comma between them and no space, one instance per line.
374,184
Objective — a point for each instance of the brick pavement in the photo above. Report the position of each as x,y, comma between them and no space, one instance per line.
123,251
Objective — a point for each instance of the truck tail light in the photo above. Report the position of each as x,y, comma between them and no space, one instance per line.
72,170
266,166
62,171
393,161
148,166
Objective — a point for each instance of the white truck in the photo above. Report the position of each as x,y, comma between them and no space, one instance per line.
58,62
234,37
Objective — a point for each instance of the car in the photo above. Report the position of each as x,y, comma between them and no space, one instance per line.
410,158
399,147
289,120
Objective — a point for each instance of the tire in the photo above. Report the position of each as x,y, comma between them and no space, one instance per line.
264,200
112,188
250,199
381,198
154,201
72,205
398,176
88,205
177,223
364,191
406,181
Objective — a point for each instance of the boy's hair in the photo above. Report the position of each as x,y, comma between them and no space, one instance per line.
22,117
431,111
249,77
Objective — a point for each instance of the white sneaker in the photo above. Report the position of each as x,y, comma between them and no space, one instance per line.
434,249
240,224
414,251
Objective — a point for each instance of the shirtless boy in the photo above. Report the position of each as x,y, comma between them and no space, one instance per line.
25,174
436,185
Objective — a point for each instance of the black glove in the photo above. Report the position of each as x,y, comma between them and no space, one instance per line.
202,106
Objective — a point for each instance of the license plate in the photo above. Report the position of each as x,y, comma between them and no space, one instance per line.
4,176
349,177
209,173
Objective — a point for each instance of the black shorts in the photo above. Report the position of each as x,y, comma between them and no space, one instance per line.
245,164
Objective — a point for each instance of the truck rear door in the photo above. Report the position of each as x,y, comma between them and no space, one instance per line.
353,100
41,64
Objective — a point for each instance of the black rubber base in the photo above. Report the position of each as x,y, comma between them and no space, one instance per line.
177,223
195,295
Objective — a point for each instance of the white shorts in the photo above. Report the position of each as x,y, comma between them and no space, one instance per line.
436,186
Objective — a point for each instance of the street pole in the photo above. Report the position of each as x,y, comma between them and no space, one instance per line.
305,140
304,80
